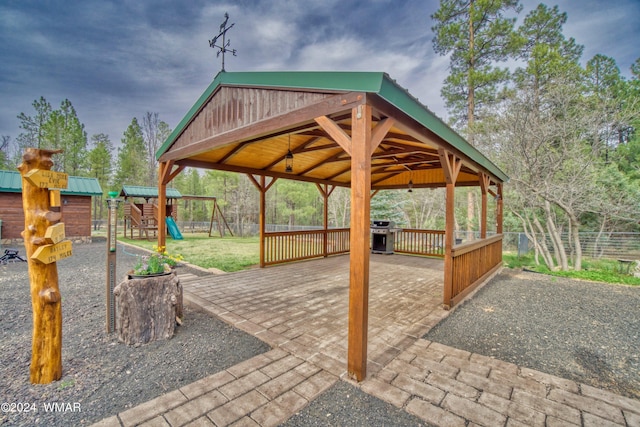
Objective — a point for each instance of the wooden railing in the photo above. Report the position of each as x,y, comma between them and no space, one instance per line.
472,264
419,242
286,246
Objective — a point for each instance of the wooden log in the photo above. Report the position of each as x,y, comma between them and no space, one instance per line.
146,308
46,346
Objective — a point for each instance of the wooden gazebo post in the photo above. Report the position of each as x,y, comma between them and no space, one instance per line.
359,241
451,166
325,190
484,188
262,187
263,214
163,170
360,146
165,176
499,207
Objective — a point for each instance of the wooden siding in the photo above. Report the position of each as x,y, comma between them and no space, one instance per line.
12,215
76,215
235,107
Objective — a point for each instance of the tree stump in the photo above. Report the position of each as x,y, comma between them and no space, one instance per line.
146,308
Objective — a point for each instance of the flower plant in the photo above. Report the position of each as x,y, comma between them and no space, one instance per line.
159,262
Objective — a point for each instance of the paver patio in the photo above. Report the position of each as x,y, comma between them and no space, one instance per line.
301,309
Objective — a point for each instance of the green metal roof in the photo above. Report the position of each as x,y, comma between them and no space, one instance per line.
371,82
147,192
11,182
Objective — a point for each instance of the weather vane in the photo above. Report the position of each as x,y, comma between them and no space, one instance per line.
225,43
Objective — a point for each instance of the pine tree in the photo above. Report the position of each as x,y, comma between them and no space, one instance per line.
155,132
477,35
132,160
33,127
548,55
64,131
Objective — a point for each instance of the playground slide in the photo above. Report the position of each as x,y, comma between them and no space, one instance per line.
173,229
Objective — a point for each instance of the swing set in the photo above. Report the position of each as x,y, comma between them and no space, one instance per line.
216,214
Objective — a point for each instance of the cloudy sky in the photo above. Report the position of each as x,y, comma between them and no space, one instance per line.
117,59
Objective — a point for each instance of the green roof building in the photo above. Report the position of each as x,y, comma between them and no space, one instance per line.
76,206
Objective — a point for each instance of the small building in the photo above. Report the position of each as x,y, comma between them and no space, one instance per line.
75,207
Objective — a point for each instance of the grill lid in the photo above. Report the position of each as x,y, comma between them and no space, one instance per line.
378,223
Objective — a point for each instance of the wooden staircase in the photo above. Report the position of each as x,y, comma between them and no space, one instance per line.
144,220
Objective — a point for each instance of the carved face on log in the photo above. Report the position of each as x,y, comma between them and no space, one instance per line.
36,158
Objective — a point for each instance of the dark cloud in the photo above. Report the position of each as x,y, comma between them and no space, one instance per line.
116,59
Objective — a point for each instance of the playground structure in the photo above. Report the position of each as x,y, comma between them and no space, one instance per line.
141,219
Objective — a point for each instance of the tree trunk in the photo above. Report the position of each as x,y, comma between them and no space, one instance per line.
147,308
548,258
558,247
46,345
471,103
575,227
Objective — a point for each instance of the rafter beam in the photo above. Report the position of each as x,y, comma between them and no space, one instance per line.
335,132
379,132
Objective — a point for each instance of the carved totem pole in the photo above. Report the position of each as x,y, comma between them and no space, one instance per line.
44,243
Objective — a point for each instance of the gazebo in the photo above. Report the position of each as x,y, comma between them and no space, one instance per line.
339,129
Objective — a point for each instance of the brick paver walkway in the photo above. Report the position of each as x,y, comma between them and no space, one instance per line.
301,311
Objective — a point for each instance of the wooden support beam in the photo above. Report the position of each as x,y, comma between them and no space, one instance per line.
359,241
451,166
325,190
499,207
335,132
379,132
175,173
164,171
262,187
263,220
484,188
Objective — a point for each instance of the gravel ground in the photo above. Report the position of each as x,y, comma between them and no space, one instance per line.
100,374
583,331
344,405
587,332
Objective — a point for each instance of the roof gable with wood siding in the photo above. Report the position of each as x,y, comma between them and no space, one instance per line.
246,122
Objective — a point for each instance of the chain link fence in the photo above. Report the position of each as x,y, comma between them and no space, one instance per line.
594,245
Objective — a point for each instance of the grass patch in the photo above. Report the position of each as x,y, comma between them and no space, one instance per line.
597,270
226,253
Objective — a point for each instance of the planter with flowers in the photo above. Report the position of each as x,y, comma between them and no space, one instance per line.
149,300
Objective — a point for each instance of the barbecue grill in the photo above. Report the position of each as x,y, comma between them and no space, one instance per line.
383,236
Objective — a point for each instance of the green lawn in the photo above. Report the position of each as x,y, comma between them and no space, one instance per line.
598,270
226,253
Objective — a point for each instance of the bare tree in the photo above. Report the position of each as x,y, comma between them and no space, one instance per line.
5,155
155,132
